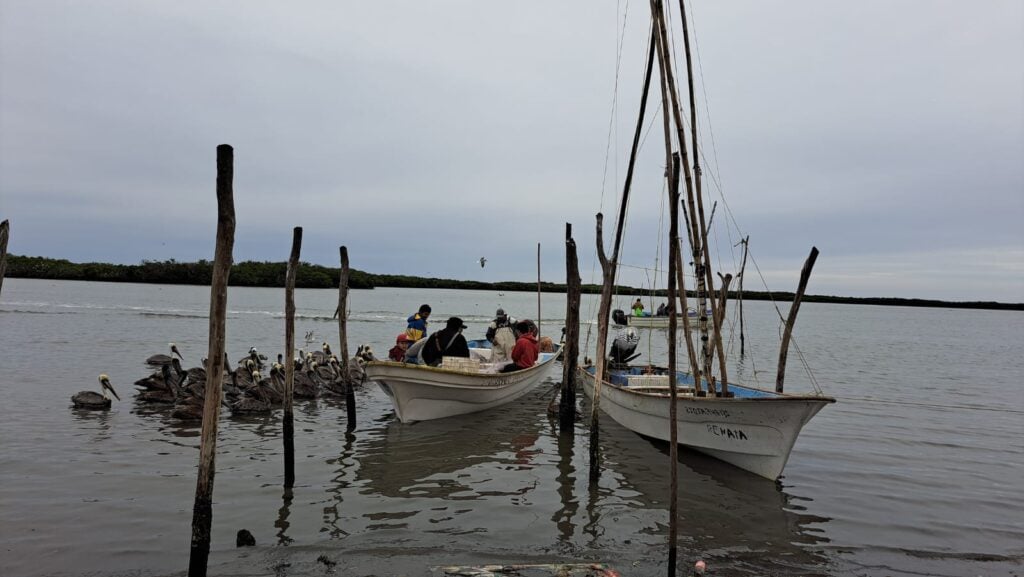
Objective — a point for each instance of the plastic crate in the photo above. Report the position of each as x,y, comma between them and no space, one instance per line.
460,364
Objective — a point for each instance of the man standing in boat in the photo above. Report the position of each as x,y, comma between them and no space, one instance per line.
447,342
417,327
503,340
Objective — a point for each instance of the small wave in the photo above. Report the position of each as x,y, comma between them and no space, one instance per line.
173,315
25,312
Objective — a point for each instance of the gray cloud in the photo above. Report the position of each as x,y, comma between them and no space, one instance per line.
423,136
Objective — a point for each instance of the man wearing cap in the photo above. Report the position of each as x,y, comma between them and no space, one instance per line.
501,336
417,327
447,342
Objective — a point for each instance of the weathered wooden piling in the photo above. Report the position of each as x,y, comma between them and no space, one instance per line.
608,271
805,274
5,232
538,290
346,370
570,354
288,422
202,510
673,320
743,267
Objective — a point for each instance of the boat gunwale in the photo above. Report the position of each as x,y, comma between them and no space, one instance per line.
639,390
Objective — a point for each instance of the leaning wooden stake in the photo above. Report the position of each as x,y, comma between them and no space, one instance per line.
567,408
288,424
784,348
5,232
350,393
603,310
202,510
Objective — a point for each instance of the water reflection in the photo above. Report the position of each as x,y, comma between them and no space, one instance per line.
282,523
98,422
744,518
434,459
332,516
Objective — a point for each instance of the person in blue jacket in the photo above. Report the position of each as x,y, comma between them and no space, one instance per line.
417,327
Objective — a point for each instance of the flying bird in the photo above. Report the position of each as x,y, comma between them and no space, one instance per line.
483,261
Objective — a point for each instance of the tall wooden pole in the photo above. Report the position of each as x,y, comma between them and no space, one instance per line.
5,233
202,510
608,271
805,274
743,267
538,290
567,407
673,319
350,393
288,424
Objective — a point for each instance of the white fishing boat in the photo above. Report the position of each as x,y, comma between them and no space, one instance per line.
459,386
661,322
753,429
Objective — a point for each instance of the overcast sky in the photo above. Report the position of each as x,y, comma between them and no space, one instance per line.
425,135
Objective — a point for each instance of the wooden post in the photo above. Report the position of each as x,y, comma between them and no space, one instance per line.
567,407
805,274
350,393
673,319
743,267
538,290
202,510
603,311
288,423
608,271
5,233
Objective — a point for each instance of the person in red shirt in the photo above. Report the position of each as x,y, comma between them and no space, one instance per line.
397,352
526,351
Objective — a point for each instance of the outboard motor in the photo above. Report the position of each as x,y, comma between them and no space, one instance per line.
619,317
623,346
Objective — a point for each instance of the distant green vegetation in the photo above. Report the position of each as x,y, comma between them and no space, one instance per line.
272,274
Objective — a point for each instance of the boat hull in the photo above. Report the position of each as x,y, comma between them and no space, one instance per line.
754,433
661,322
422,393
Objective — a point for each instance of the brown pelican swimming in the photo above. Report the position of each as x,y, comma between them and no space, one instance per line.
94,400
161,359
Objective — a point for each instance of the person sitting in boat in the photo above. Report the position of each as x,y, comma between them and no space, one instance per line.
447,342
526,351
638,308
397,352
662,310
502,339
417,327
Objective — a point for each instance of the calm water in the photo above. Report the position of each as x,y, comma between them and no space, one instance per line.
917,470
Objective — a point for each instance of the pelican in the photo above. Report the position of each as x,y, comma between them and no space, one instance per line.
94,400
483,261
161,359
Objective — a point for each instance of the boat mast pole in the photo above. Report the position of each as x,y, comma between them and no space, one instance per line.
716,318
696,230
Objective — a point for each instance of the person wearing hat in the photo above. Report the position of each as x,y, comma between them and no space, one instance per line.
499,332
397,352
447,342
417,327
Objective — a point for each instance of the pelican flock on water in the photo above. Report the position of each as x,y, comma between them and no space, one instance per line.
246,390
94,400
